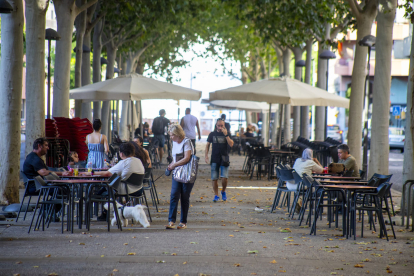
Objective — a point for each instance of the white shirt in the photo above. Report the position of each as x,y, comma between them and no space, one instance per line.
128,166
190,122
301,167
178,149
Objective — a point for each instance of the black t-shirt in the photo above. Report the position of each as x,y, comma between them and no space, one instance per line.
165,123
32,164
248,134
227,126
219,146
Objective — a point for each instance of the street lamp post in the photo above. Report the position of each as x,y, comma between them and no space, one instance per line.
367,41
49,36
304,110
327,55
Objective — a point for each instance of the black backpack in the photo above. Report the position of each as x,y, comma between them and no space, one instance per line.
158,126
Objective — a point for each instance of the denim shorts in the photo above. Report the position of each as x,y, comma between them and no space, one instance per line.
161,139
215,168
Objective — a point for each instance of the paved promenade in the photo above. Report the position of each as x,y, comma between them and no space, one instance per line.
224,238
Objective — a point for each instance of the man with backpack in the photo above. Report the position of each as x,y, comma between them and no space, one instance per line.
159,129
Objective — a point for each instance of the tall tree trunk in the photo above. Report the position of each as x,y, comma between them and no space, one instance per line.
97,50
123,126
296,109
304,121
106,116
66,12
379,157
287,136
364,22
408,165
86,76
11,79
35,68
80,25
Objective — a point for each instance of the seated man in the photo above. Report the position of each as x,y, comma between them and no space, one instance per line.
347,159
34,164
127,166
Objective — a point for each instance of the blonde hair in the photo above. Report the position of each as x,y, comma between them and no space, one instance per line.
177,130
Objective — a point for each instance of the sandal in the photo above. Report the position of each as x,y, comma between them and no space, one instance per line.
170,225
182,226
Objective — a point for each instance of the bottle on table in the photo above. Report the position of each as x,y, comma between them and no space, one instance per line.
89,166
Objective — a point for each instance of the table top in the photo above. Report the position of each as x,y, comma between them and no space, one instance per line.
336,177
95,169
76,181
343,182
350,187
84,176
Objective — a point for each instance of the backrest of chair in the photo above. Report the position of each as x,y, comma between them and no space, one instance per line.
51,176
383,176
362,174
148,172
297,177
286,175
39,182
115,182
307,180
25,178
113,176
135,179
348,173
288,167
382,189
372,182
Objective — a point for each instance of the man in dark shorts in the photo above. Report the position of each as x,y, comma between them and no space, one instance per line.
220,139
159,129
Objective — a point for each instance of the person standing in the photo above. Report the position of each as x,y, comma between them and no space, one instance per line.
181,153
159,125
348,160
188,123
97,145
221,140
226,125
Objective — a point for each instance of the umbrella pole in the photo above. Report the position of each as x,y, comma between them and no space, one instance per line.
141,130
132,120
270,117
279,136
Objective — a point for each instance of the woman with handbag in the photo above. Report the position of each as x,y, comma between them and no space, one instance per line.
182,153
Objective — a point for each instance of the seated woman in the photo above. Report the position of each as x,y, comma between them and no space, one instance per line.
307,164
249,132
139,141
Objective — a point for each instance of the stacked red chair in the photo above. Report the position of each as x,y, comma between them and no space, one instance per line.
75,131
51,128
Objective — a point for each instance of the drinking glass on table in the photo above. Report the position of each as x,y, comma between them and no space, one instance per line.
76,170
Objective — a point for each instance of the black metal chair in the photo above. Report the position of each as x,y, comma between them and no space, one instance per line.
301,190
136,180
48,200
283,176
27,183
110,199
376,206
330,193
149,185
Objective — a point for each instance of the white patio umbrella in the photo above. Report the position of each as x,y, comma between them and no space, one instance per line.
283,91
133,87
242,105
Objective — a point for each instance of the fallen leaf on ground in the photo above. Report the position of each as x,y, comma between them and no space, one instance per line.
173,254
18,262
184,263
273,262
359,265
52,274
132,253
236,265
102,256
47,256
160,261
252,252
81,243
115,270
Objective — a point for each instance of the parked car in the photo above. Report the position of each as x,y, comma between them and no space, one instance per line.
335,132
396,138
23,126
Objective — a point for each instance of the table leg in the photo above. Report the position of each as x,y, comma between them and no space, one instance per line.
80,206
